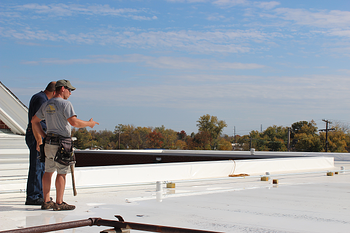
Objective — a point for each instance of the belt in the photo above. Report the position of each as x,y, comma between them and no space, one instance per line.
54,139
53,135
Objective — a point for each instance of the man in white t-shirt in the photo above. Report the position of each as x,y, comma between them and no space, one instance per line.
60,116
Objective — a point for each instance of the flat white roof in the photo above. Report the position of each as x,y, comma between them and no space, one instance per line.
300,202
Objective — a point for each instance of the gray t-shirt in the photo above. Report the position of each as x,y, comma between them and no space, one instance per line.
56,111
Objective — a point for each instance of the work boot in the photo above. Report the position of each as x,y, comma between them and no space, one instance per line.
38,201
47,205
63,206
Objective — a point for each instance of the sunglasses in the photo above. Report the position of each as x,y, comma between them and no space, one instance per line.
70,90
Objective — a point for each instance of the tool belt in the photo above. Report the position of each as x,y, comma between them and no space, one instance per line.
65,154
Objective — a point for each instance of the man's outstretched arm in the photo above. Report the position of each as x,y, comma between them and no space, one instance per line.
75,122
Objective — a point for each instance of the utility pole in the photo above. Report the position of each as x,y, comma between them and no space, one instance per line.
327,129
234,133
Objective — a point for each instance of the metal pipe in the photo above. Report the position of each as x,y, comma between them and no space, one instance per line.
104,222
54,227
147,227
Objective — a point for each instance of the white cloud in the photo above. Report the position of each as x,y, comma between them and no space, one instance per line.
338,32
215,17
266,5
347,71
55,9
224,41
59,10
45,35
227,41
306,92
316,18
10,14
189,1
230,3
180,63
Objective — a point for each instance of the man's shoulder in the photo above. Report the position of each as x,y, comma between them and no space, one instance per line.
39,96
59,101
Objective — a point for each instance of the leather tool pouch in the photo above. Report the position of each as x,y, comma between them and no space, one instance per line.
42,151
65,154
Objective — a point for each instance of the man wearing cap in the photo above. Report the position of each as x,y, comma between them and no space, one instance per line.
60,116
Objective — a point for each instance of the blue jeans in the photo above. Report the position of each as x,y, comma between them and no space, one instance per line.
36,169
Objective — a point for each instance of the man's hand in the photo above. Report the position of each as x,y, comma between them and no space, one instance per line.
93,123
38,131
38,146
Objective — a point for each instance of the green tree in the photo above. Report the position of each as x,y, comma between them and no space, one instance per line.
342,136
104,139
303,127
305,136
347,140
276,138
200,141
223,144
180,145
336,140
182,135
84,138
308,142
132,137
142,134
212,126
243,142
169,137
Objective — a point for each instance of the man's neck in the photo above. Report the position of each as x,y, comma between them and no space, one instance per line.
47,94
58,96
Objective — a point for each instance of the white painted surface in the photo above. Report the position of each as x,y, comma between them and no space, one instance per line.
138,174
301,202
310,203
282,165
135,174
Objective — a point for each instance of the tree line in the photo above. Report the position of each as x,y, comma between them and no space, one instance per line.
302,136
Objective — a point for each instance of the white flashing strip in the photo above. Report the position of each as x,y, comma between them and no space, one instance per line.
140,174
283,165
105,176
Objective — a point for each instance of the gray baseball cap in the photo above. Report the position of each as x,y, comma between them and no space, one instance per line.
65,83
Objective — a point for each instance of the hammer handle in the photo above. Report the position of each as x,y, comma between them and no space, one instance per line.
73,179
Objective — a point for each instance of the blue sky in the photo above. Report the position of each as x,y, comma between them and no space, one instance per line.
153,63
